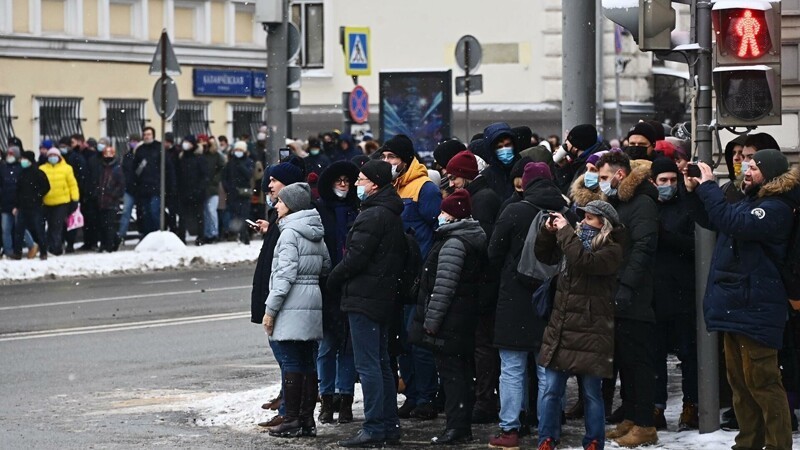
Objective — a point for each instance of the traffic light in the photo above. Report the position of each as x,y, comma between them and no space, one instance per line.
650,22
747,62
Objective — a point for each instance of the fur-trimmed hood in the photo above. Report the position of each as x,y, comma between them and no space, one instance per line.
637,182
787,184
582,195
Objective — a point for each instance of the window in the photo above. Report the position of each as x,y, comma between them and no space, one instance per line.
190,118
56,17
245,119
308,17
59,117
790,63
6,125
191,21
244,23
122,19
123,118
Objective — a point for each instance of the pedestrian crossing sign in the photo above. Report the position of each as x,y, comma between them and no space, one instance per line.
357,56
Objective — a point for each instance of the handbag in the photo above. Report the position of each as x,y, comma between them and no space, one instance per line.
544,296
75,220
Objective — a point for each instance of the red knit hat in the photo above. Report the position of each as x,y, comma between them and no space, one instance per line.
458,204
463,165
534,171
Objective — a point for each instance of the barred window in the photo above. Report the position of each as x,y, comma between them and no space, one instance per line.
308,16
124,118
190,118
59,117
6,125
246,118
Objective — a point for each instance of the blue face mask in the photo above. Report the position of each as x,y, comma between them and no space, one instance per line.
53,160
25,163
605,186
590,180
442,221
505,155
63,150
666,192
268,199
314,152
361,191
101,146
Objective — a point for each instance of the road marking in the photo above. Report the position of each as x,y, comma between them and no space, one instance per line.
171,280
123,297
121,326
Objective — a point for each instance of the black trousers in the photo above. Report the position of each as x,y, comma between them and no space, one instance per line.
487,365
91,222
634,353
455,372
55,216
190,217
32,220
107,230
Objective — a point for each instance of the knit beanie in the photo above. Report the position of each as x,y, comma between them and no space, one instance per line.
377,171
458,204
594,157
446,150
30,156
14,150
240,145
401,146
287,173
534,171
772,163
582,136
658,127
661,165
47,143
519,167
296,197
463,165
53,151
644,129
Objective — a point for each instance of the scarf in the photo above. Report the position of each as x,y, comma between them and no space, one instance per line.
586,234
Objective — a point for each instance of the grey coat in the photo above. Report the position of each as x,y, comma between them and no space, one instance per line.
301,258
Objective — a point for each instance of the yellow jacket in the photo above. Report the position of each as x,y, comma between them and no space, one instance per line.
63,185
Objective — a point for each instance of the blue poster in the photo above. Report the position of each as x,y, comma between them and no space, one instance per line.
228,83
259,83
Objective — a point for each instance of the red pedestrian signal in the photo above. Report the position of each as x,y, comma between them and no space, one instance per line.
747,62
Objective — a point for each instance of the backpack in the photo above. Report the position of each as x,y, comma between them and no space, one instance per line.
408,288
529,267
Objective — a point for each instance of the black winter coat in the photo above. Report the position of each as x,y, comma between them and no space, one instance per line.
374,258
147,170
9,175
32,186
447,305
636,205
485,204
111,185
192,178
674,283
517,327
235,177
81,169
258,295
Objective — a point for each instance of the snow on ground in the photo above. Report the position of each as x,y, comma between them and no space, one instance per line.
162,251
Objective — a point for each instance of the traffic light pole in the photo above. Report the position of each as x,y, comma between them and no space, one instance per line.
277,85
707,347
578,55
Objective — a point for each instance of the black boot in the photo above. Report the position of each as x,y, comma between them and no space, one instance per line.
362,440
326,412
307,404
453,437
292,397
346,409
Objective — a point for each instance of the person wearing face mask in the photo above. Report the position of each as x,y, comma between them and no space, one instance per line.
441,157
9,176
446,314
497,149
215,163
92,229
316,161
237,181
422,201
582,141
746,297
374,254
147,177
674,293
110,188
192,178
72,151
32,186
641,142
628,188
346,149
338,206
586,187
579,337
60,201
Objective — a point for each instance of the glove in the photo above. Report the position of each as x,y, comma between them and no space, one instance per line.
624,297
73,206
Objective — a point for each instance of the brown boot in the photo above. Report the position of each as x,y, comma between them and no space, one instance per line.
659,421
689,419
274,404
639,436
620,430
32,251
274,421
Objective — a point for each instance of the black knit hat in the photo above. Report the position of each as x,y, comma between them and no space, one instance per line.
29,155
582,136
446,150
377,171
658,127
644,129
771,162
288,172
401,146
661,165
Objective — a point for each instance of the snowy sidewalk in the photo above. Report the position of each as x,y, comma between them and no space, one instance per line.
158,251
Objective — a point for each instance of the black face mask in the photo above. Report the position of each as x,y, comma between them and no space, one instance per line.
635,152
108,159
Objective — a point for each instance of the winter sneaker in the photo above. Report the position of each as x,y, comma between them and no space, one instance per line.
639,436
505,439
689,419
362,440
425,411
659,421
620,430
346,409
272,422
548,444
326,411
32,251
594,445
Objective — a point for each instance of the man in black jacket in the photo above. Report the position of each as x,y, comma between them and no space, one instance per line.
147,173
192,174
32,186
368,277
630,191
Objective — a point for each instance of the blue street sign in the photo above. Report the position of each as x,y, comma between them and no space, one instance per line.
228,83
357,51
259,83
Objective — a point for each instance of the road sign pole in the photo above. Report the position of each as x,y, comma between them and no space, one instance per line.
277,85
162,203
466,85
578,83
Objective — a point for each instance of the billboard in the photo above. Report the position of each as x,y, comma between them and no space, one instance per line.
419,105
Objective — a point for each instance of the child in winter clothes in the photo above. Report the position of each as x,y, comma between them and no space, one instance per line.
579,337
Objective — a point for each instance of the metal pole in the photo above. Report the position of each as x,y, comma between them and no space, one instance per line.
578,74
162,203
277,85
617,112
707,351
600,75
466,84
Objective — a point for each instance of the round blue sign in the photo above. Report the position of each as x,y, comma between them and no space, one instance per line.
359,105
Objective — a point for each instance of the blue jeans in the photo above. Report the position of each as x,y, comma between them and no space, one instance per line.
296,356
9,225
210,218
30,221
128,202
335,366
371,352
550,407
514,387
417,366
151,214
279,357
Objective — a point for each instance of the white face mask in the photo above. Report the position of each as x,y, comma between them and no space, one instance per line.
340,194
745,167
395,171
186,146
261,136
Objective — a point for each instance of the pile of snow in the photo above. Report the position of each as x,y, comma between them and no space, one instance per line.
157,253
